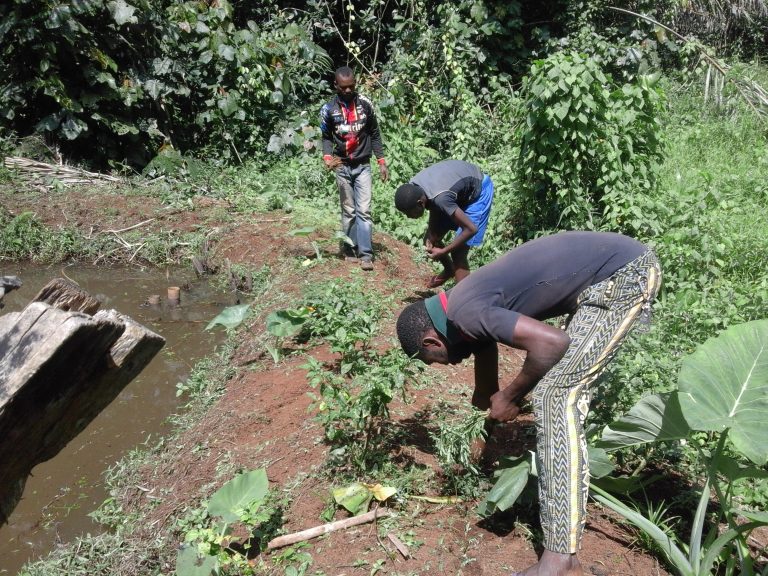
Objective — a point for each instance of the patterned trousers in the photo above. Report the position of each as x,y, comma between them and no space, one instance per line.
605,314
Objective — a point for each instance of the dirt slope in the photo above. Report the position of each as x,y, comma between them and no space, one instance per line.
262,419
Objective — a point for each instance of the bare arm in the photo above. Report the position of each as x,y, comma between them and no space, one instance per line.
486,375
468,229
545,345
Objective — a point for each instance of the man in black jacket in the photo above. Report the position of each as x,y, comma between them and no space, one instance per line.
604,283
350,133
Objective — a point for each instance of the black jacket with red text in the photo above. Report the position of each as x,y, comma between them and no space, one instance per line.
350,131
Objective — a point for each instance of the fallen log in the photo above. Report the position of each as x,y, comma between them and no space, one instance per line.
58,369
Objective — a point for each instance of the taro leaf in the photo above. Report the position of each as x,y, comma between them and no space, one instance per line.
190,563
653,418
599,463
621,484
231,317
723,386
354,497
285,323
242,491
510,484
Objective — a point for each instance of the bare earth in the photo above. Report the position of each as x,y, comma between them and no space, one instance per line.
263,417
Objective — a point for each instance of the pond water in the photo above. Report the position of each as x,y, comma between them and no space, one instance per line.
62,491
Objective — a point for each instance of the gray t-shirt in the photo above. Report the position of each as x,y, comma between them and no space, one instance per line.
450,184
540,279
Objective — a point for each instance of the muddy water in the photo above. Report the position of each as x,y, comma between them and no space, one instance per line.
62,491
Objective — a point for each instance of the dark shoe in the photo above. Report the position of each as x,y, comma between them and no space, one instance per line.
366,264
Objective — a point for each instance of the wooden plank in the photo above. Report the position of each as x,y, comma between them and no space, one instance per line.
67,295
58,370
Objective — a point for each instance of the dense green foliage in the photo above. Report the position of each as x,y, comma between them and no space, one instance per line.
118,81
593,120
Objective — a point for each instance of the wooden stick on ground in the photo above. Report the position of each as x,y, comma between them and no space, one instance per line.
310,533
401,547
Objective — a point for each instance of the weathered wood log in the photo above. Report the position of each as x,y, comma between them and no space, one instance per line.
58,370
67,295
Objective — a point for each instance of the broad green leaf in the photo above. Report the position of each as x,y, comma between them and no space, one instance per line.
243,490
285,323
510,484
354,497
653,418
733,470
599,463
190,563
72,127
231,317
723,386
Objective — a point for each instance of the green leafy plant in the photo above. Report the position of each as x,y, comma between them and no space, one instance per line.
720,392
208,542
353,407
230,318
588,146
284,324
307,230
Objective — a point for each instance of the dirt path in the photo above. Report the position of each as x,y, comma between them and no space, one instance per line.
262,418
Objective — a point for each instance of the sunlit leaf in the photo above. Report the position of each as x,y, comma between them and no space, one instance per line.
122,12
380,492
230,317
654,418
724,386
243,490
354,497
190,563
510,484
285,323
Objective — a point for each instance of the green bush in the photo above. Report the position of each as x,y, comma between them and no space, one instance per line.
589,147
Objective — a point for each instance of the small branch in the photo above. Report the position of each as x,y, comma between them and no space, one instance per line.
402,548
310,533
129,227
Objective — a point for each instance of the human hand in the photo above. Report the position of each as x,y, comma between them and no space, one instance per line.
383,172
435,252
332,162
502,409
